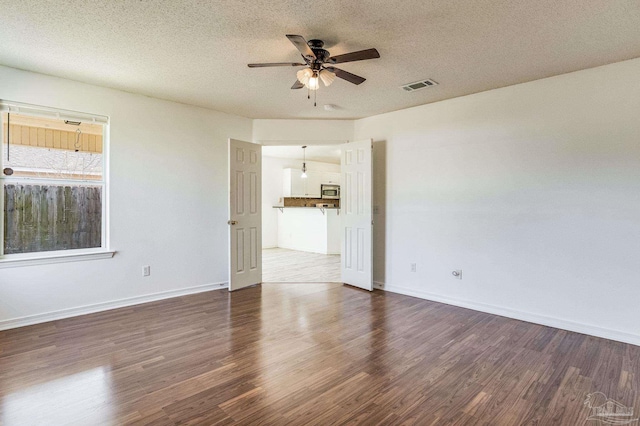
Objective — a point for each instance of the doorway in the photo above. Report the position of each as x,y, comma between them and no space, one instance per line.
344,230
300,227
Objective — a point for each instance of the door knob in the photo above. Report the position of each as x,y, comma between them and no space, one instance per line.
232,222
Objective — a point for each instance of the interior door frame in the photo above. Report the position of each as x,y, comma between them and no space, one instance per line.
336,143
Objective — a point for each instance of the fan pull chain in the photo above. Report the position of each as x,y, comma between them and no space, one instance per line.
315,94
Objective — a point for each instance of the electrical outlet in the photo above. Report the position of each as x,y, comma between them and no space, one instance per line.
146,271
413,267
457,274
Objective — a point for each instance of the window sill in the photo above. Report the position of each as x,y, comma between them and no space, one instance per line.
46,259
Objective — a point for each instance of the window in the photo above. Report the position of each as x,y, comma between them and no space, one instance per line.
53,181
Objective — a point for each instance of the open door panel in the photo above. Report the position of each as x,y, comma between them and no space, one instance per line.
245,214
356,198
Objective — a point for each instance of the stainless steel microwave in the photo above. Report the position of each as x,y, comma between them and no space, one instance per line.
330,192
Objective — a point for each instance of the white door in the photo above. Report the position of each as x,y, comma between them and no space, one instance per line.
245,214
356,213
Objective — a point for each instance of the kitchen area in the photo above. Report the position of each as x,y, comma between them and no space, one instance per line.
301,214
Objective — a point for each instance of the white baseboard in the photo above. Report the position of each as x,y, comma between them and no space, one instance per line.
606,333
591,330
105,306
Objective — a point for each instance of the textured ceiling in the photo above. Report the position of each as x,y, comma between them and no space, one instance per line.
196,51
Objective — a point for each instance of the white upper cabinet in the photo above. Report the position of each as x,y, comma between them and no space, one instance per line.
312,184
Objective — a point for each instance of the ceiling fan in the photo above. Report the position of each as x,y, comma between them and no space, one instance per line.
319,64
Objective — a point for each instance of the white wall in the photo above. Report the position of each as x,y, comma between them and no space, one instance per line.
168,199
291,132
533,190
272,192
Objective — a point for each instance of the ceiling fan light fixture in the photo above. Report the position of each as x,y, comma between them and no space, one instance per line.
327,77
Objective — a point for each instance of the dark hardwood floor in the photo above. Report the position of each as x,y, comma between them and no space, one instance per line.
306,354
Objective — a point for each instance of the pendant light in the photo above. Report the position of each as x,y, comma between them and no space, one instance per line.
304,163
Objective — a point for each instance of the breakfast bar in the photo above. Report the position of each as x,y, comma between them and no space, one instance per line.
305,227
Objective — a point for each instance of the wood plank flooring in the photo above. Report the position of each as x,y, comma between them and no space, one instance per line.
284,265
315,354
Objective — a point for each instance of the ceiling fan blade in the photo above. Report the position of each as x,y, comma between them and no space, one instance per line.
277,64
297,85
351,78
360,55
301,44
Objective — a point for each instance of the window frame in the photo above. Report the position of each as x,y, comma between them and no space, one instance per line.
57,256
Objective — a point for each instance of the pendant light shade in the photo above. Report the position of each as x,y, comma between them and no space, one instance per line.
304,75
327,77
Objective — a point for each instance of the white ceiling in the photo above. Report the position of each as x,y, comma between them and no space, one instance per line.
322,153
196,51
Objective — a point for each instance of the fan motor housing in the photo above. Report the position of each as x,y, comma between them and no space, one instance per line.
321,54
315,43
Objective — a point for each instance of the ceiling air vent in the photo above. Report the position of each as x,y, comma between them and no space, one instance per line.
412,87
